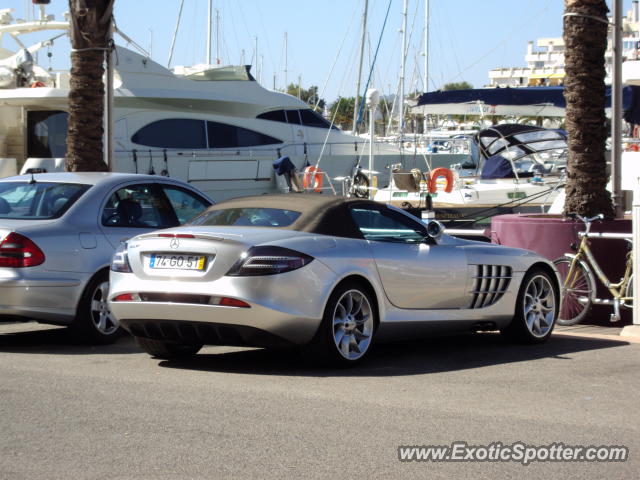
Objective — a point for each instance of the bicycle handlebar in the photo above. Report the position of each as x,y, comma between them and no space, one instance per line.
586,220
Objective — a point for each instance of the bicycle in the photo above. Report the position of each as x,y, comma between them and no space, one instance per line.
578,284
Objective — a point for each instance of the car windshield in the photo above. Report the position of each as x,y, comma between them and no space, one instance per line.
256,217
38,200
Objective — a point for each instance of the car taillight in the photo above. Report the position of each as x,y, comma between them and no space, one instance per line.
17,251
268,260
120,259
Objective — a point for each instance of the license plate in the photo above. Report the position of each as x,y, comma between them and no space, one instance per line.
176,262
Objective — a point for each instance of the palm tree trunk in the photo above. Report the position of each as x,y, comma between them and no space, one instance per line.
90,24
585,38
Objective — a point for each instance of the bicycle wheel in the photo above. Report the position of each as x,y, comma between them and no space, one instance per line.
577,297
628,292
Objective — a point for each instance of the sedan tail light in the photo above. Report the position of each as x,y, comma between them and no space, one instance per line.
120,259
268,260
17,251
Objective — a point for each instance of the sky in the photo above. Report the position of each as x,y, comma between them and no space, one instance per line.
467,38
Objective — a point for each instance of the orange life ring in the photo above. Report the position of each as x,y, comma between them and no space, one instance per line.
440,172
317,175
37,84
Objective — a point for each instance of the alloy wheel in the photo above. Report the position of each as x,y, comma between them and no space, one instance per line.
101,316
539,306
352,324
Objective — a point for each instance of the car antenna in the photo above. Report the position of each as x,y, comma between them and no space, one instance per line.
33,180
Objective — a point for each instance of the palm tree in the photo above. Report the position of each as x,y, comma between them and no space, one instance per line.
90,26
585,37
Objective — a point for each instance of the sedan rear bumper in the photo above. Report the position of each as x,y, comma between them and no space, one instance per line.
44,299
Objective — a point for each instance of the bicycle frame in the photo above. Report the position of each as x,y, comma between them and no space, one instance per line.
617,290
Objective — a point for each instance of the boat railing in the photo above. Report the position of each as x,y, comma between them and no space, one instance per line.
262,153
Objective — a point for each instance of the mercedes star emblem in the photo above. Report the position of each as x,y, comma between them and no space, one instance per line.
175,243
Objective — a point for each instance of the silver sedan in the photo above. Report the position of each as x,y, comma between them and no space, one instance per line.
58,232
324,272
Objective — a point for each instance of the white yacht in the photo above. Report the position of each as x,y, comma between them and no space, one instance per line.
213,126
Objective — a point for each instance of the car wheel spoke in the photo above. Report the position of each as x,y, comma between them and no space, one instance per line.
356,304
100,314
349,303
539,306
344,345
352,324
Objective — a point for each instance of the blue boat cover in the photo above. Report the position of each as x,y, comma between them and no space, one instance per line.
497,167
529,96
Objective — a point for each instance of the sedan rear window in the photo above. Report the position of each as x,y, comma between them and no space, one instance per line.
38,200
256,217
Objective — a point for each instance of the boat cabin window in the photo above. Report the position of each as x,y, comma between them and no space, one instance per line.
293,117
306,117
222,135
313,119
172,133
274,116
46,133
191,134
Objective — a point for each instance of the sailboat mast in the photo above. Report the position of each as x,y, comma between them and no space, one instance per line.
209,15
217,37
356,107
402,69
285,61
175,34
425,81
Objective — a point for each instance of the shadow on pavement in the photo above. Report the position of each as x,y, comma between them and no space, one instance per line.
35,338
416,357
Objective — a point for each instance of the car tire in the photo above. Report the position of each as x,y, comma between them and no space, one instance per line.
348,325
94,322
166,350
537,308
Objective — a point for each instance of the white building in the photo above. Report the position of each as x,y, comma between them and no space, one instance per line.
545,65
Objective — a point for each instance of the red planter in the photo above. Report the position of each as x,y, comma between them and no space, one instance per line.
552,235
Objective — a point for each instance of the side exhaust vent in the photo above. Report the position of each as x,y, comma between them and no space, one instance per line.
490,283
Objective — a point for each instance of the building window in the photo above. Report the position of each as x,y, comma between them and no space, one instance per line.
46,133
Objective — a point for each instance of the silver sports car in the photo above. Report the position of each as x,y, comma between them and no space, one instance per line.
325,272
58,232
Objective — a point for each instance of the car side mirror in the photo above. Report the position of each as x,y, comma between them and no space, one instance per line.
435,229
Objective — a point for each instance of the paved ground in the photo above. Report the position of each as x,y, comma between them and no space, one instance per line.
70,411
